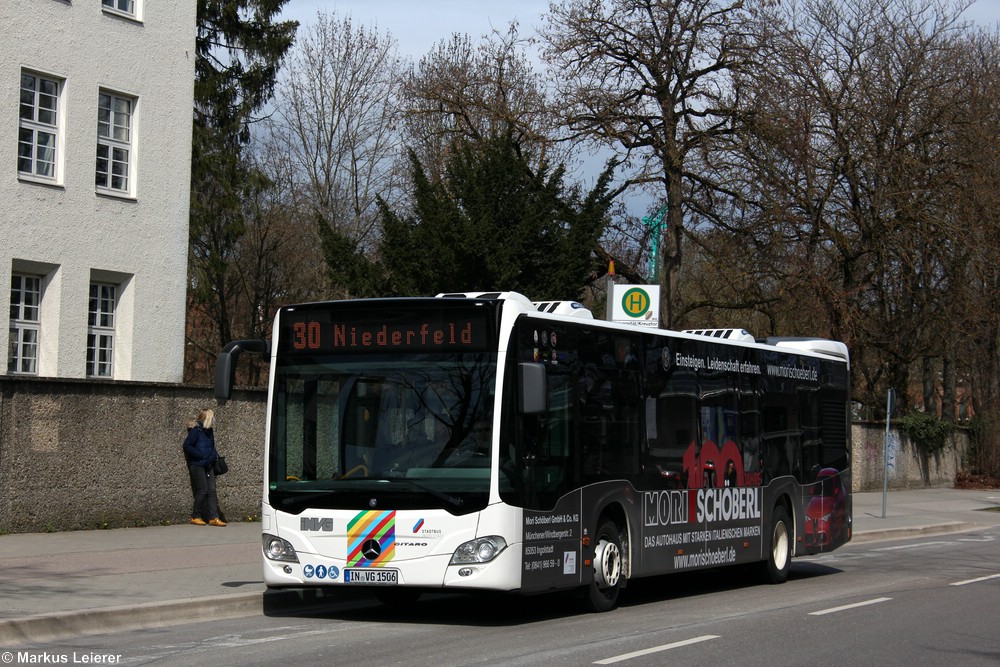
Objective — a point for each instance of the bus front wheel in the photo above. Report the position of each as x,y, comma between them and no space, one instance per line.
779,554
602,593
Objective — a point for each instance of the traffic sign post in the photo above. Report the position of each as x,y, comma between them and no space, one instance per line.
890,403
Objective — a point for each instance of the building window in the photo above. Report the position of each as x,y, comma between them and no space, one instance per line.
101,330
114,142
25,302
123,6
38,132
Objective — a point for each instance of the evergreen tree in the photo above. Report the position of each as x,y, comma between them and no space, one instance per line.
494,223
239,49
354,274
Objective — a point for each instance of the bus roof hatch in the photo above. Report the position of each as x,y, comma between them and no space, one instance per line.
569,308
729,334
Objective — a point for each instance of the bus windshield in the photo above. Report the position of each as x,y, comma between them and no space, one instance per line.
410,430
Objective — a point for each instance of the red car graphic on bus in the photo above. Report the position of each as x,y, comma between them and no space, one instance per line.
826,513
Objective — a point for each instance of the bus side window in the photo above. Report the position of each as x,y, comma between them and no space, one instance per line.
541,454
675,427
609,406
780,442
750,432
554,456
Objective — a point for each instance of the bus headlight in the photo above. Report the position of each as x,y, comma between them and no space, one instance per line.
276,548
480,550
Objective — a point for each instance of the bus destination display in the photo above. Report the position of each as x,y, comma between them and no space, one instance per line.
432,331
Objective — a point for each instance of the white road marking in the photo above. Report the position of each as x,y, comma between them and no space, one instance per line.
976,580
655,649
849,606
913,546
160,651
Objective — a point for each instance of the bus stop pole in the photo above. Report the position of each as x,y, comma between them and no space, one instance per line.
890,402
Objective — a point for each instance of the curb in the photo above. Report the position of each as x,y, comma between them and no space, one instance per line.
915,531
102,620
61,625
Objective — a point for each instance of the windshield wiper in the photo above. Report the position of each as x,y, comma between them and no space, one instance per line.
303,497
440,495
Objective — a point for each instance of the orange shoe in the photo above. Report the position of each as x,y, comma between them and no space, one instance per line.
198,522
217,522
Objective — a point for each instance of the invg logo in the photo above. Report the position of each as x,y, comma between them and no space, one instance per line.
315,524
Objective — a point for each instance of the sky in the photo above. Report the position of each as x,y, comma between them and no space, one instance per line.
984,12
418,26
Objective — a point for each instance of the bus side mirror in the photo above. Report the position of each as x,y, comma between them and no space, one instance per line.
532,388
225,365
225,373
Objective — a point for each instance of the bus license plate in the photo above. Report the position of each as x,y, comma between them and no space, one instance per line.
371,576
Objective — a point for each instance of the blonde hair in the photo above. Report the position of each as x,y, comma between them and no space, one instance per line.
205,417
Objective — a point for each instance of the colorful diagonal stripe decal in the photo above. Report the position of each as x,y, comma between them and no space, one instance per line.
367,526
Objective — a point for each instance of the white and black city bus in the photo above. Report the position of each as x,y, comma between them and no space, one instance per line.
481,442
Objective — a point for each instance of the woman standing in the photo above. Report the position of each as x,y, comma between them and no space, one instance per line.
199,450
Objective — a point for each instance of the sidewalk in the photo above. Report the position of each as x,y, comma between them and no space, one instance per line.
67,584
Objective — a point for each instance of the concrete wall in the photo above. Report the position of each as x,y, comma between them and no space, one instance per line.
76,454
82,455
911,469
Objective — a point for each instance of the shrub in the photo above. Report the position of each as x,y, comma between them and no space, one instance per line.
926,431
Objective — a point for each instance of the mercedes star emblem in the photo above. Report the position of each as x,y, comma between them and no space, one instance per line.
371,549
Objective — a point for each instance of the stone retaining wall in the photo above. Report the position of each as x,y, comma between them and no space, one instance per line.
81,455
78,454
913,468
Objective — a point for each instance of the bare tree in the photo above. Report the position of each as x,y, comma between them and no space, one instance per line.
477,92
975,324
648,78
337,110
276,261
844,176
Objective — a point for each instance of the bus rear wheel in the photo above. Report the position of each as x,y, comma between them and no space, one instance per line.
779,555
602,593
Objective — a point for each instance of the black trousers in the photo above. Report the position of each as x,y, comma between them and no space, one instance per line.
206,501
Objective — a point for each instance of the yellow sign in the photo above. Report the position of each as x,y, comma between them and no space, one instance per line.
635,303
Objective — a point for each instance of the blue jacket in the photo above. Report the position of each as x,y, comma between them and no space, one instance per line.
199,446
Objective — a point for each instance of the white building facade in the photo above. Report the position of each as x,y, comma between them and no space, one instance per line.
96,99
